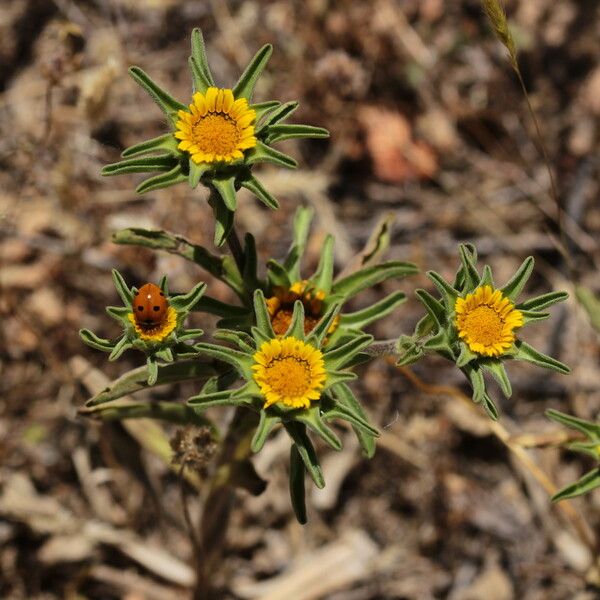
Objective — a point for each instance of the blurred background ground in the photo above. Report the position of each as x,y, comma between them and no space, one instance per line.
427,123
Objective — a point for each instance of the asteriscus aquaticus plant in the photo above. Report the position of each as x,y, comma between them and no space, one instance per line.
216,139
161,340
291,380
475,324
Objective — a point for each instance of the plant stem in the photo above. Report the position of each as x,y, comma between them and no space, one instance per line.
235,247
219,500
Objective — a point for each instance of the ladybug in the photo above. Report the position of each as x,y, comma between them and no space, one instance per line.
149,306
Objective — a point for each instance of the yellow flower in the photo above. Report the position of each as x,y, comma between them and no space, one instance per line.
486,321
159,331
289,371
218,128
281,307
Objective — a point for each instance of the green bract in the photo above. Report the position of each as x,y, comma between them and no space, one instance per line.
437,332
172,165
335,401
591,480
165,350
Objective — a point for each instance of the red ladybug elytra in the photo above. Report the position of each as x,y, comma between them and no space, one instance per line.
149,306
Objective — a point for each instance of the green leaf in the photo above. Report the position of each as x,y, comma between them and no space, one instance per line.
245,85
490,408
277,275
300,227
253,185
345,396
152,367
311,417
196,172
166,103
296,328
172,177
323,277
449,294
250,271
408,350
338,356
340,411
226,189
459,280
166,354
120,313
123,289
297,432
92,340
475,375
470,274
120,347
531,316
268,421
164,285
242,396
336,377
319,332
263,153
206,400
528,353
240,338
148,164
137,379
516,284
223,219
263,320
297,491
199,78
590,481
185,302
199,57
465,356
362,318
369,276
278,133
487,277
171,412
591,305
592,430
543,301
242,362
280,114
434,308
166,142
264,108
498,372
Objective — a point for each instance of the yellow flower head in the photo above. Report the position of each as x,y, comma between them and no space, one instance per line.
486,321
218,128
289,371
281,307
155,332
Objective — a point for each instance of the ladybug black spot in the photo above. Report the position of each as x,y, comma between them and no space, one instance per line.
162,294
156,308
137,292
140,308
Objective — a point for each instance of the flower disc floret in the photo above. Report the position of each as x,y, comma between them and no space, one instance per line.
281,307
289,371
486,320
156,332
217,127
